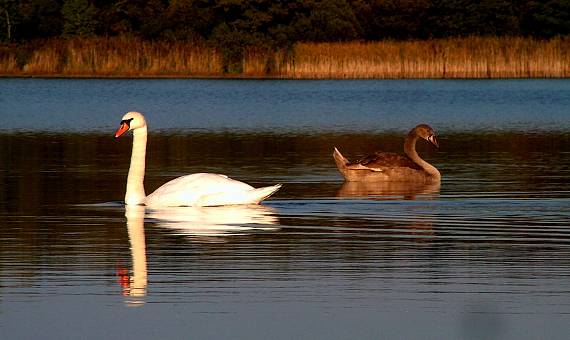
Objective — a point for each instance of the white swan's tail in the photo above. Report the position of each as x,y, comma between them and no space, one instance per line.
260,194
236,197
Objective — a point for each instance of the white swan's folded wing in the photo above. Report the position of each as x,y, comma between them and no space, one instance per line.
234,197
205,189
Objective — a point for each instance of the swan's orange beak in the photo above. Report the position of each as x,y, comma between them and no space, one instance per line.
122,129
433,140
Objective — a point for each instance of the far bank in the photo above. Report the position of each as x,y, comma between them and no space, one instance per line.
473,57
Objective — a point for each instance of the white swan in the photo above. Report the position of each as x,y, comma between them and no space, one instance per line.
200,189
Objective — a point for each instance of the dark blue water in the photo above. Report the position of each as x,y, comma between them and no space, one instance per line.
486,254
286,106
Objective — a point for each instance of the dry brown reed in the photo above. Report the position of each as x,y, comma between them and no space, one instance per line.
474,57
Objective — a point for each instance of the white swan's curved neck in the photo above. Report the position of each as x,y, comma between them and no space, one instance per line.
135,181
410,150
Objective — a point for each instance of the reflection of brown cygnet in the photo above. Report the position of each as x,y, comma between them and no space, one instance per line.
387,190
385,166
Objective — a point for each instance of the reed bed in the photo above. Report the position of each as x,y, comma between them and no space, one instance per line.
474,57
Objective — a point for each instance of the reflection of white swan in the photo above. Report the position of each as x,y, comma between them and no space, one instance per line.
136,285
216,221
201,189
189,221
407,189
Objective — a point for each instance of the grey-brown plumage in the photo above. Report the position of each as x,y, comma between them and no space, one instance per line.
385,166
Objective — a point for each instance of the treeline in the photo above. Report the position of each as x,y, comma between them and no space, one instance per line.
283,22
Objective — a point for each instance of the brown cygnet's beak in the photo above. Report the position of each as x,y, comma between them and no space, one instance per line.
433,140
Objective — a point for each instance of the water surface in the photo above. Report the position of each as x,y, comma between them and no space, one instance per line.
286,106
483,255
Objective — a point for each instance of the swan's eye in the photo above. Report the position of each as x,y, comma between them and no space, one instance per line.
127,121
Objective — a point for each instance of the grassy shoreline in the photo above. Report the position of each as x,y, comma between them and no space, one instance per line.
128,57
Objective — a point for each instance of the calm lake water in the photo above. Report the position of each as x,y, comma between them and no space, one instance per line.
484,255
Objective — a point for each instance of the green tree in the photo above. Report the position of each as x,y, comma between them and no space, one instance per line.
398,19
79,18
546,19
8,18
490,18
240,25
137,17
328,20
37,19
237,25
444,18
449,18
188,20
152,22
